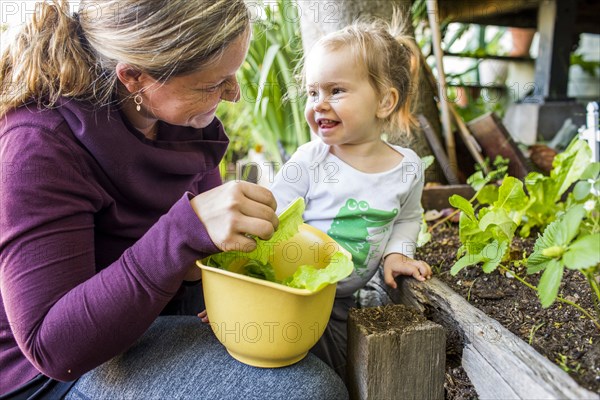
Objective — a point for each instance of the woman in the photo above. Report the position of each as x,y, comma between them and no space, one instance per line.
110,192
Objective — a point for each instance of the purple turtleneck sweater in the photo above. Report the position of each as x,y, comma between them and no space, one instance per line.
96,233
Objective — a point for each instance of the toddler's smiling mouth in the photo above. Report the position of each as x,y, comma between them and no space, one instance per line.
326,123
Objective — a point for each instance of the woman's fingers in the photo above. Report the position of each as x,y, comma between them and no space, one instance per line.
258,194
235,212
257,213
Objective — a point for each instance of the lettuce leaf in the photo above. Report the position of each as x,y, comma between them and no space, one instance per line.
289,221
313,279
258,270
257,262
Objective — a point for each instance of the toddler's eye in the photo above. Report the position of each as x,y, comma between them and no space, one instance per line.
336,91
314,96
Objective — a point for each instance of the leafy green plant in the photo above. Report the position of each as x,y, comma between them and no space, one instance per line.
238,126
570,223
572,241
487,235
564,245
546,191
270,111
270,91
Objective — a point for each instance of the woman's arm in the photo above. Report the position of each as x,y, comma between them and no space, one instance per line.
65,317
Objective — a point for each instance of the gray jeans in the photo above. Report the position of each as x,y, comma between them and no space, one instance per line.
180,358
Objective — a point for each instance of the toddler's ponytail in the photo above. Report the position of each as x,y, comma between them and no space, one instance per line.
403,117
404,67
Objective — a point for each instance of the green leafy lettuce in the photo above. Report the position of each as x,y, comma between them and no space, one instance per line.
563,246
546,192
256,262
486,236
314,279
563,206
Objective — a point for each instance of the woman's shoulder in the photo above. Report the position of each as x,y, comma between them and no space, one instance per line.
31,116
58,124
41,136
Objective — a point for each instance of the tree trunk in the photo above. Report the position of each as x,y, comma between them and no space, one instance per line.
319,18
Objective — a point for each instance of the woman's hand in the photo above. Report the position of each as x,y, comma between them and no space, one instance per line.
234,211
398,264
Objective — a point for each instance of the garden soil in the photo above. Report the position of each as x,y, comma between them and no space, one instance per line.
560,333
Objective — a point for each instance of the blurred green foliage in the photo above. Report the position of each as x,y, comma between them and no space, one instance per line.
271,108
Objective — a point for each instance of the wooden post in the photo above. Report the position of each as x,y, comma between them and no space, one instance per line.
436,42
395,353
556,24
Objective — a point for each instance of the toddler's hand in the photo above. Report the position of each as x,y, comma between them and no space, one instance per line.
398,264
203,315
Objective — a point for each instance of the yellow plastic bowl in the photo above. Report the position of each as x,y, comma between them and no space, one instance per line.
265,324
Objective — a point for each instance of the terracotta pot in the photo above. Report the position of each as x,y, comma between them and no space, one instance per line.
521,41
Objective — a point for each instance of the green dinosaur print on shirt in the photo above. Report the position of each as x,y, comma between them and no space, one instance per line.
350,228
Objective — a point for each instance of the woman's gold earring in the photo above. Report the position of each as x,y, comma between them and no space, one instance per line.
138,101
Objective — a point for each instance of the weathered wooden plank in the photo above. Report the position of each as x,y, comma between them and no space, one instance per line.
438,150
436,197
472,360
395,353
495,140
499,364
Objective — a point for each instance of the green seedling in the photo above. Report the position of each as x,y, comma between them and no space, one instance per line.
569,220
563,245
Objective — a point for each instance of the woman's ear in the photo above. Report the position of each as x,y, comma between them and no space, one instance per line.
131,78
388,103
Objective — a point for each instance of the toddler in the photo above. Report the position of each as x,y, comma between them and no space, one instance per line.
362,191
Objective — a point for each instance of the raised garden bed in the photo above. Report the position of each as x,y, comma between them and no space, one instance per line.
561,334
501,343
507,344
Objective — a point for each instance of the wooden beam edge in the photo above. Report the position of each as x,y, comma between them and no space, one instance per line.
515,361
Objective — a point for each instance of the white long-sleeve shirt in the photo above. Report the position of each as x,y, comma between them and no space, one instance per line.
369,214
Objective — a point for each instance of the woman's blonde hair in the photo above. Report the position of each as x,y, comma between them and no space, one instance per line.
58,54
391,59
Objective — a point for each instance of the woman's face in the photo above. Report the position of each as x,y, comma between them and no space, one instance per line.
191,99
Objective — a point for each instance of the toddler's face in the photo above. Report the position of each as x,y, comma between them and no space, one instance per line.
342,105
